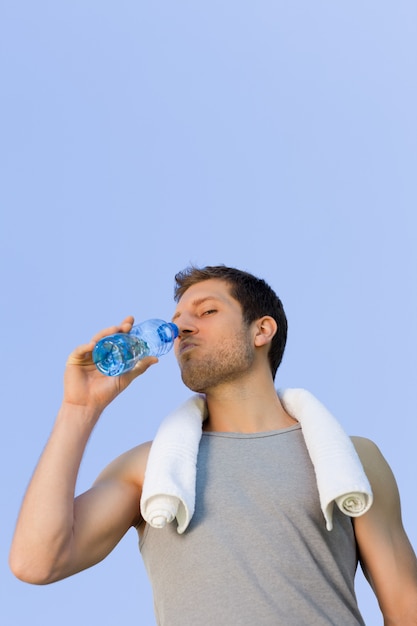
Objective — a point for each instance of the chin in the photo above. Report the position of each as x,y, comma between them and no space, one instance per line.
193,385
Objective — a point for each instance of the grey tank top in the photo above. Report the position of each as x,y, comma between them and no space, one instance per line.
257,552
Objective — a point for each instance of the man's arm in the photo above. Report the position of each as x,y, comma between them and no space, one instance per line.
387,557
56,534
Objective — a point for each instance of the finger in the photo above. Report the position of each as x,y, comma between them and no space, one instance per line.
81,354
140,367
124,327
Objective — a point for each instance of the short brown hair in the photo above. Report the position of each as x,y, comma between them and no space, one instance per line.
254,295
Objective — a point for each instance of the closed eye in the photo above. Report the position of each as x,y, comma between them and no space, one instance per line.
210,311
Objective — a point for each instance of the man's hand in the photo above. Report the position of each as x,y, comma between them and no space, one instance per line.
85,385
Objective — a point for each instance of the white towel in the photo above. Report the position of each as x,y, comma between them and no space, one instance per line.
339,473
169,485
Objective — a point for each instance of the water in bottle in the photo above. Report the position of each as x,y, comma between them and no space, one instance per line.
119,353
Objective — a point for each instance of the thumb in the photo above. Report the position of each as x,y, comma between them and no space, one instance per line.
140,368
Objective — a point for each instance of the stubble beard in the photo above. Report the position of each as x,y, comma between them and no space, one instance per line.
224,364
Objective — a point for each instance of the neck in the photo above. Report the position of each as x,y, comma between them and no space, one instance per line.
246,408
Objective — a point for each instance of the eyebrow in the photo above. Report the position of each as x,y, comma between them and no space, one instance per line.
196,303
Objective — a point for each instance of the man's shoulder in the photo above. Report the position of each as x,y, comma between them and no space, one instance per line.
366,448
129,467
375,465
369,453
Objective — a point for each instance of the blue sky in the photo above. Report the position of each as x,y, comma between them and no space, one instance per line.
137,138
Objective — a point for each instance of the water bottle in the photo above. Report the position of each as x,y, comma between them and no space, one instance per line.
119,353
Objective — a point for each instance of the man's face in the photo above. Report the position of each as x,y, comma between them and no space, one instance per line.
214,346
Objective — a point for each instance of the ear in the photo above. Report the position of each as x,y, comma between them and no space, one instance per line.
265,329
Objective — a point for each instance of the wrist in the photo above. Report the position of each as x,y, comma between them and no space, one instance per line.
79,412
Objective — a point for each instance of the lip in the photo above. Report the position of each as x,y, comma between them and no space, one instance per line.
185,346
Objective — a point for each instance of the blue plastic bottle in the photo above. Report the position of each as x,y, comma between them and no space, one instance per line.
119,353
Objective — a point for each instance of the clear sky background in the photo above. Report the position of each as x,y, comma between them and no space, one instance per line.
136,138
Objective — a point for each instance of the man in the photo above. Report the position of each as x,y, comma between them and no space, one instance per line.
256,551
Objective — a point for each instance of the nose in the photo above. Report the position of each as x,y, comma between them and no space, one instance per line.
186,326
